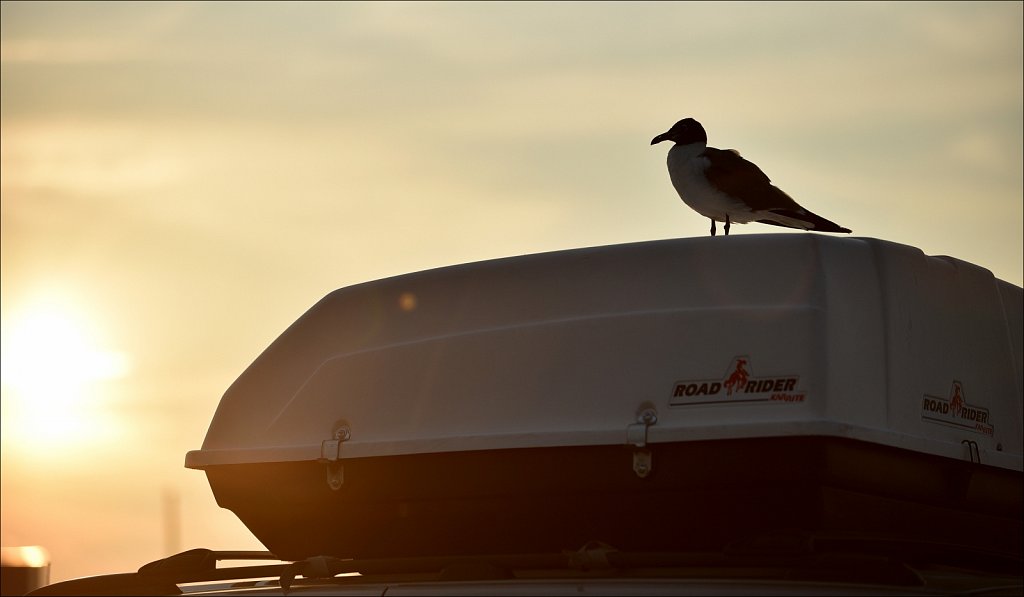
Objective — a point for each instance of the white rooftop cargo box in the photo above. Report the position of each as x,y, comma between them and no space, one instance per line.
652,395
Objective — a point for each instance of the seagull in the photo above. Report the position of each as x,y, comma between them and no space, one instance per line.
720,185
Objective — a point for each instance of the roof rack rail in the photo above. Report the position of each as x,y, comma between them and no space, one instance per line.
161,577
787,553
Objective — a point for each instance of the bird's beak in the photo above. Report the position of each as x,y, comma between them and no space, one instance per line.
659,138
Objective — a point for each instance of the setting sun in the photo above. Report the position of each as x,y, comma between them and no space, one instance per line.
51,363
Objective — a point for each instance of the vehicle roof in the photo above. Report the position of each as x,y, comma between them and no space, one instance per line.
784,564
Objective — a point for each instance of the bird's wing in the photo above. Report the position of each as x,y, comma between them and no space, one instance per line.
745,181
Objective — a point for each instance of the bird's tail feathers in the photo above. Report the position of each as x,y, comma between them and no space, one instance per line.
804,220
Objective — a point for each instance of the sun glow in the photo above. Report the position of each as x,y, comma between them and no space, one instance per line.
51,369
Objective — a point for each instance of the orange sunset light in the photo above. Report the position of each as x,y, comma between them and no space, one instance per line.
53,360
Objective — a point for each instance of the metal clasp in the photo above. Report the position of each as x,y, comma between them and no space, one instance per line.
636,435
330,454
972,450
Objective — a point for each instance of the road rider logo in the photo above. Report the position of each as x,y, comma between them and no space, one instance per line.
955,411
737,385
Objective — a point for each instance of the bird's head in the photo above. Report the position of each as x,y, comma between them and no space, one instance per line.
684,132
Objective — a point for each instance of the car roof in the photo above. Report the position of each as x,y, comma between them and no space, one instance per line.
838,567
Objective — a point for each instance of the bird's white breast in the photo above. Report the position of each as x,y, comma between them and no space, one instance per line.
686,168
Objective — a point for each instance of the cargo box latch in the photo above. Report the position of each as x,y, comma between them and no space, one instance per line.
636,435
330,454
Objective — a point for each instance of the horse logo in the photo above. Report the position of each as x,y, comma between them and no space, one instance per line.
956,402
738,379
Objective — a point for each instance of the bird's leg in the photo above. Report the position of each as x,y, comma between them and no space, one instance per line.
727,224
712,227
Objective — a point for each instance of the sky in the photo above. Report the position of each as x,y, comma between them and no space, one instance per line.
181,181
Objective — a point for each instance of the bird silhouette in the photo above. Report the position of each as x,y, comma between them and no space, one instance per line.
722,186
